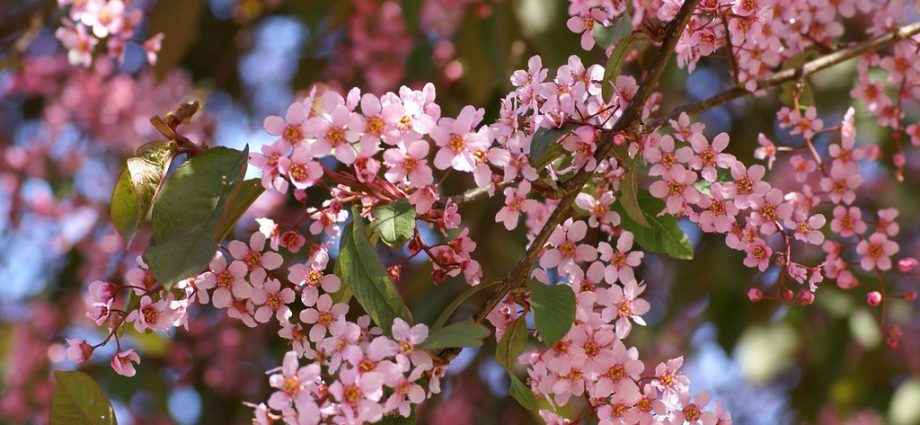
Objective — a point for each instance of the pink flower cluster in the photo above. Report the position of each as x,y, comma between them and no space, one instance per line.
591,361
89,23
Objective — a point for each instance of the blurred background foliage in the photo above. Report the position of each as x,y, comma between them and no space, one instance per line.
770,364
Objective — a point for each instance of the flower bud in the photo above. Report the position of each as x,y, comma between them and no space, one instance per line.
909,296
874,298
805,297
788,295
78,351
395,271
754,295
898,159
906,264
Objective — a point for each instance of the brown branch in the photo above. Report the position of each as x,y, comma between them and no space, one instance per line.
792,74
631,117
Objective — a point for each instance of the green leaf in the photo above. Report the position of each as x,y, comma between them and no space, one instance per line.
464,334
615,62
629,197
664,236
365,276
553,310
395,222
606,36
188,210
512,343
521,393
237,203
78,400
137,185
545,146
457,302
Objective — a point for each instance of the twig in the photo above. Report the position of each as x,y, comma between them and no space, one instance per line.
792,74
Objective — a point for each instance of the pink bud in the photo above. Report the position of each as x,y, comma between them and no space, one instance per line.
909,295
906,264
874,298
898,159
787,295
79,351
755,295
873,153
805,297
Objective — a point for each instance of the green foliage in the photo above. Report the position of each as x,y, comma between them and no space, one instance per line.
463,334
629,197
521,393
553,310
512,343
457,302
239,200
366,278
78,400
664,236
615,62
395,222
189,213
607,36
545,146
137,186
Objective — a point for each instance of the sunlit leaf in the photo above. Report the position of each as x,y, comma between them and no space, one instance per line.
663,236
78,400
188,210
365,276
137,185
512,344
395,222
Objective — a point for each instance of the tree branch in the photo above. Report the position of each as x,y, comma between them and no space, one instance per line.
792,74
631,117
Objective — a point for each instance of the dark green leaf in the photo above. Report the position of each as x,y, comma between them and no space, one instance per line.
137,185
553,310
188,210
664,236
521,393
606,36
78,400
457,302
629,197
463,334
545,146
365,276
615,63
412,11
512,344
395,222
237,203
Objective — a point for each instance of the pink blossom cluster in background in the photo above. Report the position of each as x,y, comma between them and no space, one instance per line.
110,24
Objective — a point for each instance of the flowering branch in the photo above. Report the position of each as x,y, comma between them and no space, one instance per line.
796,73
630,118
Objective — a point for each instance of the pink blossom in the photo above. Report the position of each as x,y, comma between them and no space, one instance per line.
78,351
622,260
848,221
515,202
323,316
802,166
876,252
807,229
253,258
663,158
625,305
769,210
290,128
334,133
843,180
229,282
708,157
150,315
271,298
767,150
123,362
566,252
409,162
758,255
303,171
747,186
677,190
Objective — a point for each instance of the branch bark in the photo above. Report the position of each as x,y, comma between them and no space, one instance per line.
793,74
631,117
